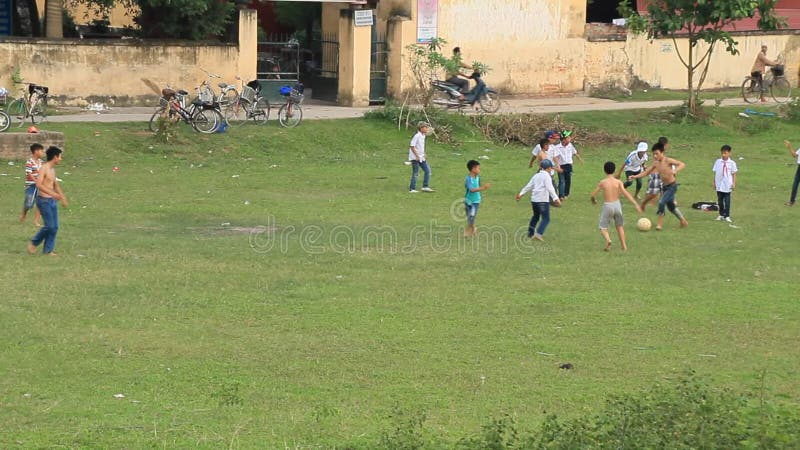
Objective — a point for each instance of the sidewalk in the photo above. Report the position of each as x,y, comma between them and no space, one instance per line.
319,110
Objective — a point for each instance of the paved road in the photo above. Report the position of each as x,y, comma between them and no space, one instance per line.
314,111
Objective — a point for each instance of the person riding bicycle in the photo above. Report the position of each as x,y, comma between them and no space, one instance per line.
454,76
757,72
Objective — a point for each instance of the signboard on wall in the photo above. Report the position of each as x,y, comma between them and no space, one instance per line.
427,20
363,17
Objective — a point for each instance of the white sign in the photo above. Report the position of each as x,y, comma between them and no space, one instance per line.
427,20
363,17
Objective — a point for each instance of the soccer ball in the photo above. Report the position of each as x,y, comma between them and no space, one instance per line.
644,224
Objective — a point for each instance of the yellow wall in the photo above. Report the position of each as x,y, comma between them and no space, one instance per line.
76,69
118,16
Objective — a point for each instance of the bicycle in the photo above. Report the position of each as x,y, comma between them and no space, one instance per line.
290,113
776,82
202,116
5,120
33,105
227,95
250,105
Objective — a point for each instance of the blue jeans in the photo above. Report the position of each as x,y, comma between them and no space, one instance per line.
724,200
668,199
795,184
30,197
415,172
472,211
541,210
564,180
48,207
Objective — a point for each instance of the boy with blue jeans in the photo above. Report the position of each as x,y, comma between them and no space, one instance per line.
542,192
416,154
668,168
32,167
472,197
724,182
563,160
49,193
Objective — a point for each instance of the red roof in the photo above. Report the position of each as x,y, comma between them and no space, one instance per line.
788,9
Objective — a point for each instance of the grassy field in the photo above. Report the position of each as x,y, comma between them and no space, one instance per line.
270,288
656,94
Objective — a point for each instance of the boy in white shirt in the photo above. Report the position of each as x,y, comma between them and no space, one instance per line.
563,160
795,154
634,165
724,182
542,192
416,154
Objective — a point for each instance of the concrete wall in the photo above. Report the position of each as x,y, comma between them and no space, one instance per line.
16,146
79,70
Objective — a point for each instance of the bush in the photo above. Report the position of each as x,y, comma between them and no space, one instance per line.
791,110
407,118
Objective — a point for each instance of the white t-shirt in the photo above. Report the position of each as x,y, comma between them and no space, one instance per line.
723,174
798,155
567,152
418,142
536,150
633,163
541,187
554,151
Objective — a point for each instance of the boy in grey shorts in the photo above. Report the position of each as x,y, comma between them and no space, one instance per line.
654,182
612,209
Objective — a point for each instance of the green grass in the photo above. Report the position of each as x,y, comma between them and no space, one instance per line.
308,331
657,94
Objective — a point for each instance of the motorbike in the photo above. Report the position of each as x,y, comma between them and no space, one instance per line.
446,95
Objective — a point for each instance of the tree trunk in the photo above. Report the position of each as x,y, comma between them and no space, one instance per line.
54,18
690,75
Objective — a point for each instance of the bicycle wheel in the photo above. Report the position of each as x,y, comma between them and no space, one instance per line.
229,98
18,109
39,111
236,112
750,90
5,121
259,113
490,102
206,120
781,90
290,115
153,124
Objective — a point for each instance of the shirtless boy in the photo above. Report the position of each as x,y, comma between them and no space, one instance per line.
612,189
664,167
49,193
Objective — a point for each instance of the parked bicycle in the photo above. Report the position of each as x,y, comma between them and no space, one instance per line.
290,113
202,116
250,105
775,82
5,120
227,95
32,104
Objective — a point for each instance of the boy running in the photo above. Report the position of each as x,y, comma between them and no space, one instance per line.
654,179
612,188
664,167
472,198
32,167
634,164
796,155
724,182
416,154
49,193
542,191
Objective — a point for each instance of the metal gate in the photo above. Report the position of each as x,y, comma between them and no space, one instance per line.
378,65
325,68
278,65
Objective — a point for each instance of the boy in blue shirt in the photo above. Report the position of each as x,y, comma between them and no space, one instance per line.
472,197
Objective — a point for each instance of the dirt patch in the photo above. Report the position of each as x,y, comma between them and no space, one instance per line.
527,129
227,230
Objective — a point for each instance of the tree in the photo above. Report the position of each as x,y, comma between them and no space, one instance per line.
698,20
173,19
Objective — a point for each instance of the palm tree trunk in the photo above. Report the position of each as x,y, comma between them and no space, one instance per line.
53,18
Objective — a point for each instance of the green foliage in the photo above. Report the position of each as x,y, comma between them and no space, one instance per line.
171,19
298,15
406,431
444,124
754,125
699,21
16,76
167,130
791,110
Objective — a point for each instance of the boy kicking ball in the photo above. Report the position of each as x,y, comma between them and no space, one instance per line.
612,209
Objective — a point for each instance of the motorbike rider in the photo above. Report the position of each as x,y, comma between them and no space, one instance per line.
759,66
456,77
